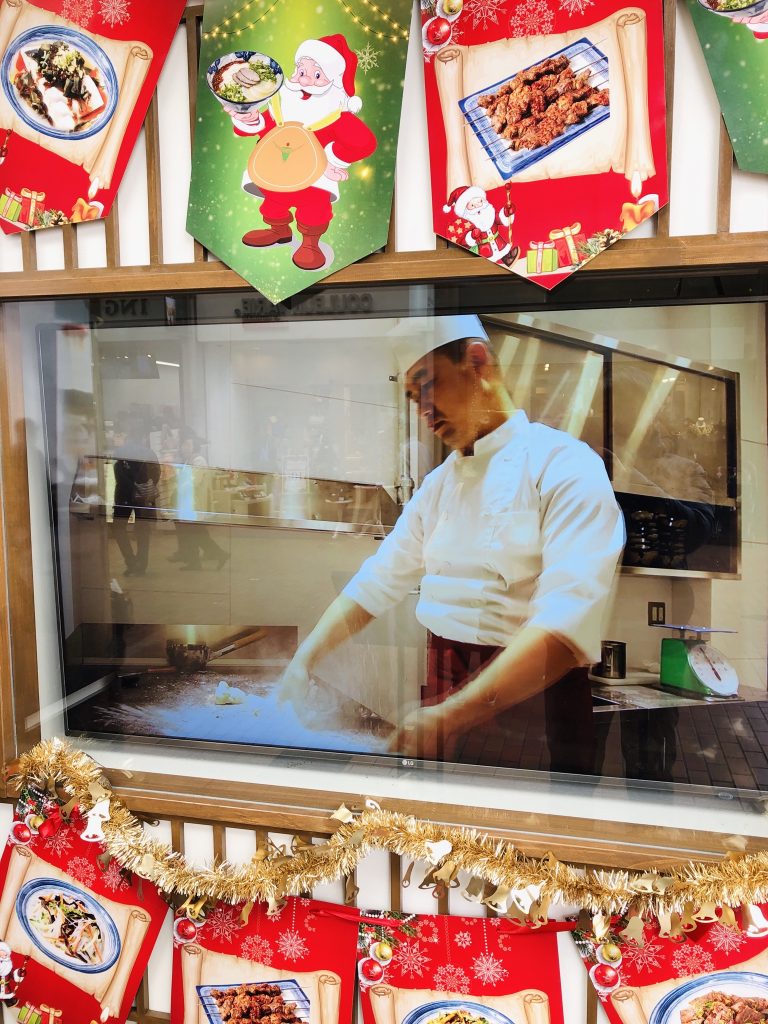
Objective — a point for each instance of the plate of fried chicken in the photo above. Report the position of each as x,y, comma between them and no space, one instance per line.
525,117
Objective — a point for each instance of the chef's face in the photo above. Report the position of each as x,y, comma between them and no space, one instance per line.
448,397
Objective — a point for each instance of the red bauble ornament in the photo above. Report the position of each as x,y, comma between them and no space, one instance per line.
185,928
439,31
21,833
371,970
605,976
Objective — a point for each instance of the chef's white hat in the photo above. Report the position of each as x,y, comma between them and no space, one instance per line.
415,336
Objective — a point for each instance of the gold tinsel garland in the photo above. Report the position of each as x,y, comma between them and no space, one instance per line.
732,882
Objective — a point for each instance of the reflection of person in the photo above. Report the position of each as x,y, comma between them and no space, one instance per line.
320,96
514,539
490,235
137,472
194,541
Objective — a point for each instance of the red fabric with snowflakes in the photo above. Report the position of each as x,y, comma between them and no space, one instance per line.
420,960
306,940
65,851
663,966
600,207
64,185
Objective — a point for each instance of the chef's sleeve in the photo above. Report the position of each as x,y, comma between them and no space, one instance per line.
385,578
582,538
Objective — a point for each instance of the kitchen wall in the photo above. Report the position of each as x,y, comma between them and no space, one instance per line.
731,337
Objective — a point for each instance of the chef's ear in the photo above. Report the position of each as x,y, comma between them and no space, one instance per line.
478,355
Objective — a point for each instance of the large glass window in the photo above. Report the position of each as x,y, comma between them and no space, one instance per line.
216,483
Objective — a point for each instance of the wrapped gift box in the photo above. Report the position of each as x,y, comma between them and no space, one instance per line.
541,258
569,242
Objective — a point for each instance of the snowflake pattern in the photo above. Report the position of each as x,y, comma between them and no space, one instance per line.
531,18
223,921
691,959
82,870
367,58
60,842
463,939
113,877
292,946
488,969
257,949
115,12
484,12
449,978
78,11
642,958
725,940
411,959
572,7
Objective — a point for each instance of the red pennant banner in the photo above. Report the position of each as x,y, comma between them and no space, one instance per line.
707,972
77,929
547,127
424,969
293,964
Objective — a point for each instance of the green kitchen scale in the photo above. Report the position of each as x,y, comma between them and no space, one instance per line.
692,666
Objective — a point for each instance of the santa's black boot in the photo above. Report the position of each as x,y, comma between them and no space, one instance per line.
278,233
309,256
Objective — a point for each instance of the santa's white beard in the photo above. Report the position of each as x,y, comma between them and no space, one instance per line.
483,218
313,109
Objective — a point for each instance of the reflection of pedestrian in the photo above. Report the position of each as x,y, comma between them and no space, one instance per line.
514,540
137,472
195,543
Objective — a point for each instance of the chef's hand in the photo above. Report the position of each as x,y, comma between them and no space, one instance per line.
336,173
426,733
294,683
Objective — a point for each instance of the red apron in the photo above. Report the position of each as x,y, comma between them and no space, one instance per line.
552,731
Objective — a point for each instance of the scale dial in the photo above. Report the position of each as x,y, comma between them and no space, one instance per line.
713,670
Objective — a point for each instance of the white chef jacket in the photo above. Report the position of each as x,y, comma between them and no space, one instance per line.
525,531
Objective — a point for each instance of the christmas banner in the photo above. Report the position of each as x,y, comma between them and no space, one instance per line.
77,79
457,970
284,964
731,33
298,116
547,127
701,969
77,930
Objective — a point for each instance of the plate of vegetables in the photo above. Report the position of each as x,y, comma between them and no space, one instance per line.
68,925
59,82
244,79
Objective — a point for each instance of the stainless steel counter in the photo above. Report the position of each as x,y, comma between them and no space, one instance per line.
645,696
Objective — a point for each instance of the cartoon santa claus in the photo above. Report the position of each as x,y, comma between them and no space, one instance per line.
490,235
320,97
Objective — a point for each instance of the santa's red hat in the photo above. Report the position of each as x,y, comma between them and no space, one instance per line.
461,197
339,63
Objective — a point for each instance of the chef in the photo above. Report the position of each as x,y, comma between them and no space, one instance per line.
514,541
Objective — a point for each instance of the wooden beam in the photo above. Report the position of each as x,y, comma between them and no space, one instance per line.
154,189
717,253
670,29
724,181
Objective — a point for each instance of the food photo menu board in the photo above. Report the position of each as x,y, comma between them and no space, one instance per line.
547,127
77,79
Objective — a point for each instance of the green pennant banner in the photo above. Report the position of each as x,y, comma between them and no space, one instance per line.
732,35
298,111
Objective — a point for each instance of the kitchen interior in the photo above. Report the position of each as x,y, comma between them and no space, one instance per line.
304,450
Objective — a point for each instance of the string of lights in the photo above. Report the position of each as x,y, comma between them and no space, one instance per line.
234,26
231,27
402,33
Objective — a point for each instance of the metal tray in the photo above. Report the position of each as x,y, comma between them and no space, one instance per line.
291,990
583,53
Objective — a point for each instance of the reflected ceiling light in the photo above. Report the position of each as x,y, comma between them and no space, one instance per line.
160,362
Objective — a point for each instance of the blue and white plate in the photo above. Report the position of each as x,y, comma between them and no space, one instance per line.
290,989
27,904
732,983
93,54
227,58
428,1011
